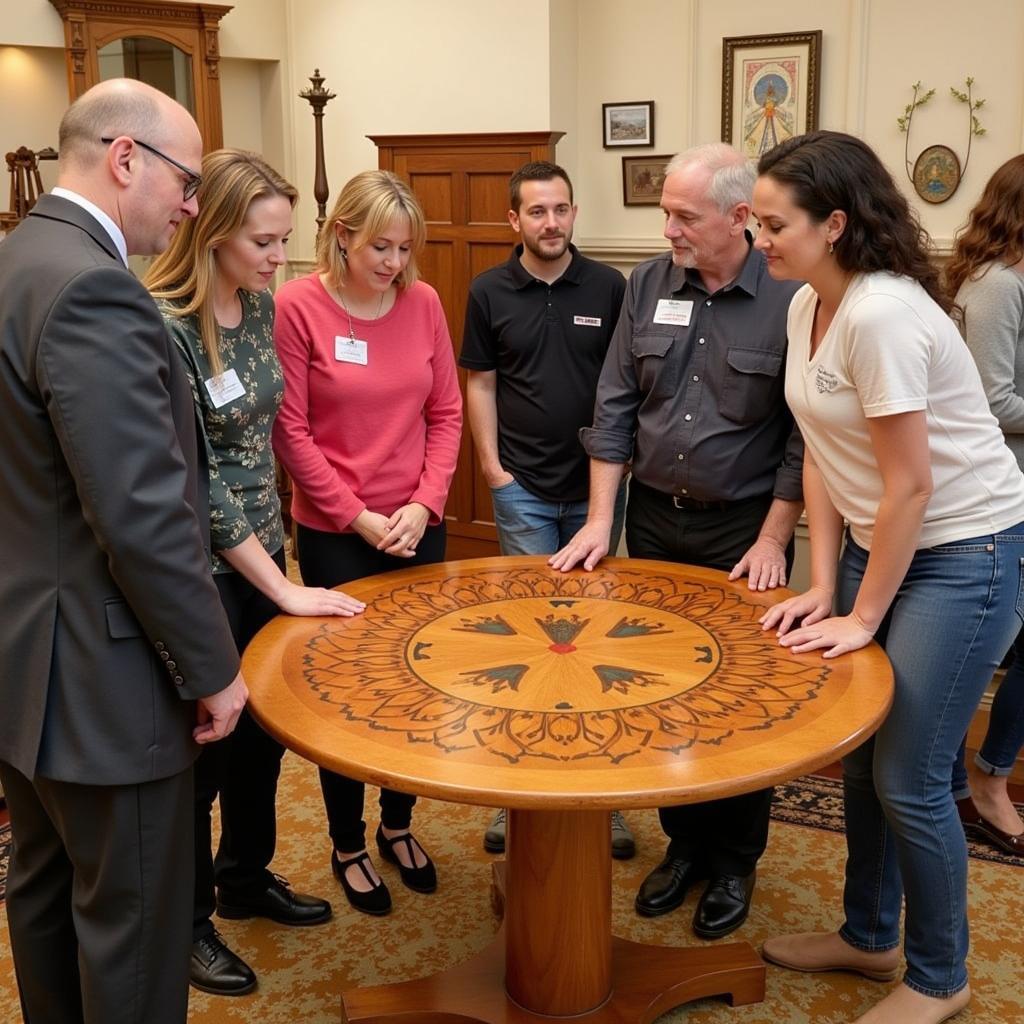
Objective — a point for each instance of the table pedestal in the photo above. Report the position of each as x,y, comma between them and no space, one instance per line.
555,957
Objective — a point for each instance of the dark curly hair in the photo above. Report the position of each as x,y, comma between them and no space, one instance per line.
995,227
827,171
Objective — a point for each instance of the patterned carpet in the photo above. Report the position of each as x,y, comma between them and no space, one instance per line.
302,971
5,853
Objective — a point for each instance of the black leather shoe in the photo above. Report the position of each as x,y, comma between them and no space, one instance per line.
215,969
423,879
724,905
665,887
376,901
276,902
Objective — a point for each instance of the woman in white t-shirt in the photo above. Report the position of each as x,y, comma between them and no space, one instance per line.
901,444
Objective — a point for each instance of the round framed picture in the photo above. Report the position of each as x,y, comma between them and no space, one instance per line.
936,174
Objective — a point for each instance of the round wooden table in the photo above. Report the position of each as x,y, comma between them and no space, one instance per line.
501,682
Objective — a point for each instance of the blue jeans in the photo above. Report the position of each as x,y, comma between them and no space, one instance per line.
955,614
1005,734
528,525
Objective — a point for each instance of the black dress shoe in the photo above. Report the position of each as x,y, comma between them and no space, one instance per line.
422,879
376,901
215,969
665,887
724,905
276,902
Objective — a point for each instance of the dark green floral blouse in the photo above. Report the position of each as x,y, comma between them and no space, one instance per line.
237,416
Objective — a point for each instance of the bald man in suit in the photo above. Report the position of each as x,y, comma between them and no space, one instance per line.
116,660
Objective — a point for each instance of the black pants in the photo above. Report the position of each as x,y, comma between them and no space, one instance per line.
244,770
727,835
331,560
97,899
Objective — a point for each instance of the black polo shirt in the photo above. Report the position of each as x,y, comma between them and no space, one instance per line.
547,344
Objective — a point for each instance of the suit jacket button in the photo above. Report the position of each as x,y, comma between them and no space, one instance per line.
178,680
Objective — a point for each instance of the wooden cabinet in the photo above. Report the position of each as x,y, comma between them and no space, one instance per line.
462,183
172,46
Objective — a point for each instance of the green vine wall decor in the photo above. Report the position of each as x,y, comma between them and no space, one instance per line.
937,172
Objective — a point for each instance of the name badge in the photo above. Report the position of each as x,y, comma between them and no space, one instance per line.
674,311
350,350
587,321
224,388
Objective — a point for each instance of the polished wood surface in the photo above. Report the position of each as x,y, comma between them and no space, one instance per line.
461,180
503,683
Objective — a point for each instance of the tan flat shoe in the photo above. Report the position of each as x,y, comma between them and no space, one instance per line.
827,951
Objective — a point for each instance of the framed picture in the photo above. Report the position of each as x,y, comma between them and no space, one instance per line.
642,178
628,124
770,88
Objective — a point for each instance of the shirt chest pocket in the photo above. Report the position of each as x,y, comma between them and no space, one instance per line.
750,386
657,373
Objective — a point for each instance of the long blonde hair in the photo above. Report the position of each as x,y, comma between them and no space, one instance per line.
232,180
366,207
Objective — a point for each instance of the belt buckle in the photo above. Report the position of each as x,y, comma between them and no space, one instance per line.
676,498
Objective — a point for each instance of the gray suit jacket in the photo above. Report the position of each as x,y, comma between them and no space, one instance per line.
110,623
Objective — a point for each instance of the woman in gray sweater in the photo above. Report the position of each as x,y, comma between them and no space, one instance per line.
986,279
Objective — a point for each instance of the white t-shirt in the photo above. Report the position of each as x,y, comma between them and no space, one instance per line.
891,349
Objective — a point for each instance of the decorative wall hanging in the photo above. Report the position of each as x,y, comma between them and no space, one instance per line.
937,173
628,124
770,87
642,179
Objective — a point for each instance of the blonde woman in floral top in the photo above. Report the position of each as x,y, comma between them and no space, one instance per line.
211,285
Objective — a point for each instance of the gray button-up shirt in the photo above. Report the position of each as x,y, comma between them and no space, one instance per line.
700,409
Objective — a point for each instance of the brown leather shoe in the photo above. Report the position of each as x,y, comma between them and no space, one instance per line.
978,827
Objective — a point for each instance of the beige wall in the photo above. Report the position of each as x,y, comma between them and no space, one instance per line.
479,65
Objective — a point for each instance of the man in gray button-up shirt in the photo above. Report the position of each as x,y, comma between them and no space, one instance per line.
691,394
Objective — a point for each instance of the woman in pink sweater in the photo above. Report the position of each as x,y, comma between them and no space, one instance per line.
369,432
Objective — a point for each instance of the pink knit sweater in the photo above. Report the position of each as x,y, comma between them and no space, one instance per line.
376,436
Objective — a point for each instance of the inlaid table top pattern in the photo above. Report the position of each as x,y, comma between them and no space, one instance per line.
505,683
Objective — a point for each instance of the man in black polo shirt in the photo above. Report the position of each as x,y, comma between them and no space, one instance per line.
537,330
692,395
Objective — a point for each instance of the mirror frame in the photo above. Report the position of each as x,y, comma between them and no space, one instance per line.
193,28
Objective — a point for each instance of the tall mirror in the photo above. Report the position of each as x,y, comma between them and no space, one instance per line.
154,61
172,46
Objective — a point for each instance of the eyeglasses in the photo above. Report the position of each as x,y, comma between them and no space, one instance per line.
192,180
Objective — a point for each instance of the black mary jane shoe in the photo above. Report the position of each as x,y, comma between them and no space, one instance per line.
376,901
422,879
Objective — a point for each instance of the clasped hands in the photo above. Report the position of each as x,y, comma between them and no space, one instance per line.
397,534
818,629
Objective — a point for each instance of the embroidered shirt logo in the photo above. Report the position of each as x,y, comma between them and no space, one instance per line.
587,321
825,381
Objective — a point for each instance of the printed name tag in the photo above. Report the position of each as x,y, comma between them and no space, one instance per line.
587,321
224,388
347,350
673,311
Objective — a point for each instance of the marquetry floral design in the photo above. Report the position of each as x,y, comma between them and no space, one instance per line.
418,662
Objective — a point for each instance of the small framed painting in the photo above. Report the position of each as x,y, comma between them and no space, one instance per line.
642,179
628,124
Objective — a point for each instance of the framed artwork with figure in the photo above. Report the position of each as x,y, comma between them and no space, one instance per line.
770,89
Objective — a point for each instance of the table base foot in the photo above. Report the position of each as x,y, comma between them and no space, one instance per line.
647,981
